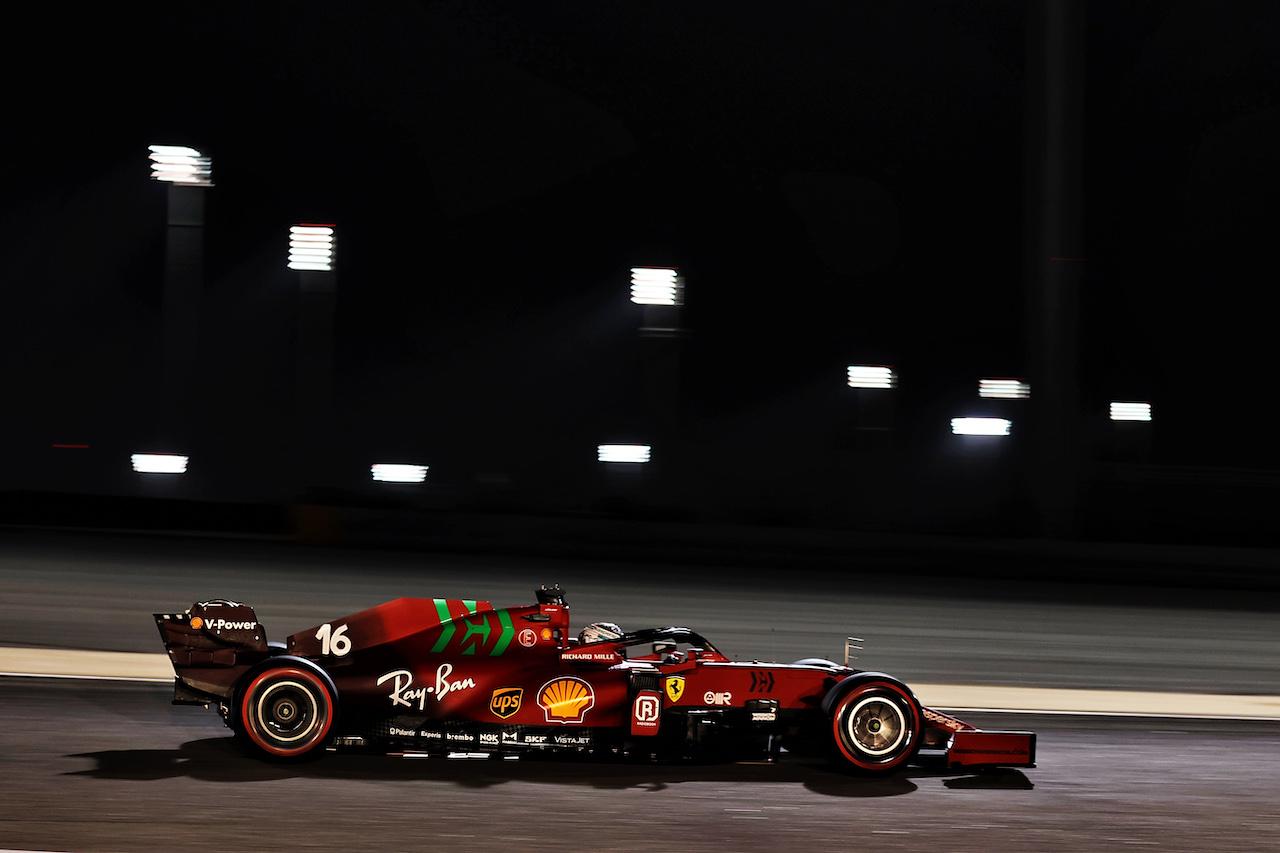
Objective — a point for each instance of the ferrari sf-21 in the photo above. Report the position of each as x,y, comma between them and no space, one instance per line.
422,675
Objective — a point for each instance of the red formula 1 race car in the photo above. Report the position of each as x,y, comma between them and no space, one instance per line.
455,676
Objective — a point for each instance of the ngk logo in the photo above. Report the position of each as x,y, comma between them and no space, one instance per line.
711,697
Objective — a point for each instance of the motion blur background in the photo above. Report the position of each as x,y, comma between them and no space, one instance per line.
1084,199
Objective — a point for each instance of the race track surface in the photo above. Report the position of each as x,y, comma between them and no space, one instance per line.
109,766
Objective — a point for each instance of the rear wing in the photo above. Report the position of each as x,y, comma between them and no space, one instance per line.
210,646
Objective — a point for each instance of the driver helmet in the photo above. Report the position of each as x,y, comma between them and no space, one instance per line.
598,632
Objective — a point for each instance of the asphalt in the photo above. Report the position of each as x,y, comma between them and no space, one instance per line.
107,766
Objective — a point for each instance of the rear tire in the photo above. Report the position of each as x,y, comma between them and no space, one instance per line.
286,713
876,727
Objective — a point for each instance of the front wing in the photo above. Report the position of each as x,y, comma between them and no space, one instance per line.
967,746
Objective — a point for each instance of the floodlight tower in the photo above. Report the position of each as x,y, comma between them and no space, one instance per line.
1131,423
872,386
660,293
188,173
312,255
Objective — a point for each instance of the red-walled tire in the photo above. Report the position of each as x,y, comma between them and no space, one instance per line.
876,728
286,712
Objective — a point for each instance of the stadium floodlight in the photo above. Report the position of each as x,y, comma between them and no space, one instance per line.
634,453
1130,411
311,247
395,473
159,463
178,164
871,376
1004,389
980,426
656,286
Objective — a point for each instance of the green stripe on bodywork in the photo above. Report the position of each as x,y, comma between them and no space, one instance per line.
508,631
472,629
442,610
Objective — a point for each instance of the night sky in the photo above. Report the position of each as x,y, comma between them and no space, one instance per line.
839,183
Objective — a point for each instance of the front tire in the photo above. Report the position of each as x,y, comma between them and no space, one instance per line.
876,728
286,712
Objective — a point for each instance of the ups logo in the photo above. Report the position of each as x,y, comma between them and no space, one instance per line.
506,701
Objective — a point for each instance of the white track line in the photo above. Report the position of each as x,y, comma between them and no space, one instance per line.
70,662
168,680
1111,702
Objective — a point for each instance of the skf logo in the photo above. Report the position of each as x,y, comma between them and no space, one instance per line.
506,701
674,687
566,699
712,697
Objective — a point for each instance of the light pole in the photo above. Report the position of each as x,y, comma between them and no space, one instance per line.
1054,265
659,291
312,255
188,173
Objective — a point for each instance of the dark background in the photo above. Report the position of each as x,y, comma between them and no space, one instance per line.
839,184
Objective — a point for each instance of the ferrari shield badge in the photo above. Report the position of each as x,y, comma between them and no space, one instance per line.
674,686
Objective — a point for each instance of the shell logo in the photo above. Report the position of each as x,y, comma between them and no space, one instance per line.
197,622
566,699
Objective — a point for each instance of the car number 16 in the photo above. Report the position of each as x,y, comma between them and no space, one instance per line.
333,641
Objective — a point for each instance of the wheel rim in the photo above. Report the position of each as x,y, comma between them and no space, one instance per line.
287,712
877,726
